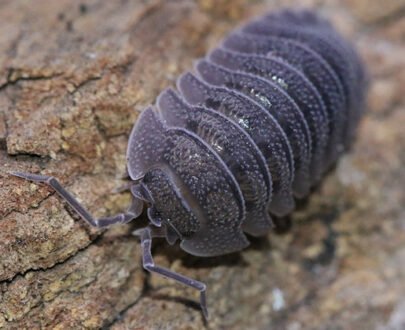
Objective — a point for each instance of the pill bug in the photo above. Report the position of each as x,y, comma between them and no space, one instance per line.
257,124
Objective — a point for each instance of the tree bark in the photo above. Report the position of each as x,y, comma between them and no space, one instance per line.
74,77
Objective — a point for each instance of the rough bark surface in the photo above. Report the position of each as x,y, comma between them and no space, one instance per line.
74,77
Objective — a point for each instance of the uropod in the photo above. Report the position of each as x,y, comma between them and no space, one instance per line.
256,124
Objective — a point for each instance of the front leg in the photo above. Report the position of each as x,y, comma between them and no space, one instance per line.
133,212
146,235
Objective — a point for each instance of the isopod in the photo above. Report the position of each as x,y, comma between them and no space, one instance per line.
256,125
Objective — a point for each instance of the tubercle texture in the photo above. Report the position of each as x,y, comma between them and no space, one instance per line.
258,123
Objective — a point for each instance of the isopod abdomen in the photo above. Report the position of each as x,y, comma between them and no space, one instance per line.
254,126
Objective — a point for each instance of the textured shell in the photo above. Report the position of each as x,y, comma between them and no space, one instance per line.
263,117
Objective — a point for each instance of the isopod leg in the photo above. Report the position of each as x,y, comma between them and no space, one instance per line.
134,211
149,265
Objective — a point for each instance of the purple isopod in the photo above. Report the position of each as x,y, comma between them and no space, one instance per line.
256,125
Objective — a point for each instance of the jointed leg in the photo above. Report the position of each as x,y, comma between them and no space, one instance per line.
148,264
133,212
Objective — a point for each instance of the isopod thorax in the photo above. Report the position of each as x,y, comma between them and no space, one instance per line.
258,123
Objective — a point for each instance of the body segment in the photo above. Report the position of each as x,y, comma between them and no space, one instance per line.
257,123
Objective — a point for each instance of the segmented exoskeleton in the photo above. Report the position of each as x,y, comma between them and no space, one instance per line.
258,123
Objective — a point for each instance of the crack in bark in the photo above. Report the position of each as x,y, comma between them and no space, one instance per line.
84,83
12,81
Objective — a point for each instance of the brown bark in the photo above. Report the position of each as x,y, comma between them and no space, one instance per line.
74,77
